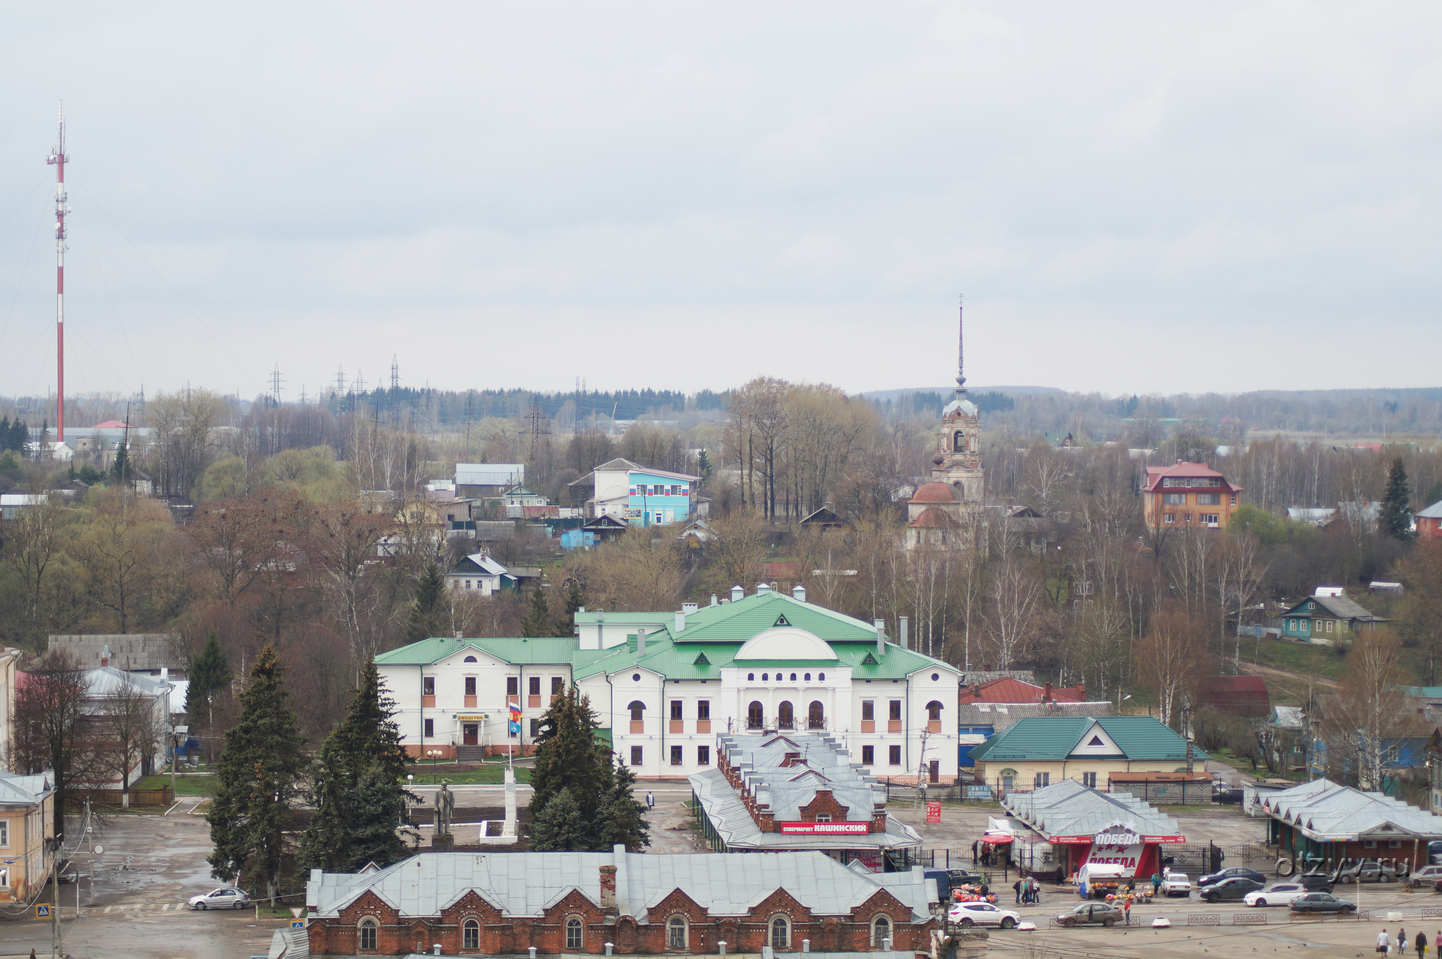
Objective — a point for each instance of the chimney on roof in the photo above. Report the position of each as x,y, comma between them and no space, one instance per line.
1191,751
608,889
713,599
458,636
737,593
1046,692
105,655
762,589
680,621
798,593
904,627
689,608
881,637
640,642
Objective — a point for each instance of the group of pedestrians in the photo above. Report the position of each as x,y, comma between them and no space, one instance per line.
1384,943
1028,891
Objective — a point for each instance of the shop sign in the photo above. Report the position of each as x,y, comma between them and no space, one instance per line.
825,828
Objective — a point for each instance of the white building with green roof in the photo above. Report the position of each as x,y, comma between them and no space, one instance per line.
667,684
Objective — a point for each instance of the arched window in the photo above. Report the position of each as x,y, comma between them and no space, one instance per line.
785,715
1008,779
880,932
751,677
469,659
471,934
368,932
573,934
676,933
755,716
638,710
780,933
821,677
816,716
793,677
933,710
958,442
807,677
765,677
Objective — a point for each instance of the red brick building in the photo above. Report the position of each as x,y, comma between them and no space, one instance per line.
1189,496
479,904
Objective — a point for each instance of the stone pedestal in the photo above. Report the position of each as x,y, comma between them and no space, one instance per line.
443,842
508,831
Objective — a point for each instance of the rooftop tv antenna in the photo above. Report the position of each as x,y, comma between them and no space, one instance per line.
57,159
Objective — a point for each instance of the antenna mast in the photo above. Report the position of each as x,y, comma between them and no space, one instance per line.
57,159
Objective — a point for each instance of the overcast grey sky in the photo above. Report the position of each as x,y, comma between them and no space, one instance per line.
1133,197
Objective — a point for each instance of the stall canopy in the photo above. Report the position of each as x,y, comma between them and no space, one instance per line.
1071,812
1325,811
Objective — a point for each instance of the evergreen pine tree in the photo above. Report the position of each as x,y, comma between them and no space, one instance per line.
19,435
428,611
571,595
568,757
208,674
559,827
257,778
1396,514
5,433
120,469
359,796
537,622
623,816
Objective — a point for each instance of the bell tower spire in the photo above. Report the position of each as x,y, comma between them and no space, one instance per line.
960,348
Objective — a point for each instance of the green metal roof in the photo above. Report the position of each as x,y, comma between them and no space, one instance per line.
739,621
521,652
1054,738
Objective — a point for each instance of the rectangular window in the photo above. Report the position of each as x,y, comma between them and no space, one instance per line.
1174,499
894,755
895,710
1329,625
1209,499
1089,780
430,729
428,686
703,755
1042,779
1169,517
573,935
1211,518
635,755
558,685
535,728
470,685
676,756
868,755
513,686
868,710
535,685
703,710
675,709
1234,499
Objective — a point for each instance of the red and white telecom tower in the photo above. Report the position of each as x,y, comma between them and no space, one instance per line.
57,159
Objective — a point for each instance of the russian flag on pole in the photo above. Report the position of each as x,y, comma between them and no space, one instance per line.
515,719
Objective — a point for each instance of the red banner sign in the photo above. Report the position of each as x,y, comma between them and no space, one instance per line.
933,810
825,828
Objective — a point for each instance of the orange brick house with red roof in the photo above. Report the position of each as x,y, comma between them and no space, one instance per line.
1013,691
1189,496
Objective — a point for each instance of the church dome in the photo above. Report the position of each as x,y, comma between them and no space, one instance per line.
934,518
938,459
934,493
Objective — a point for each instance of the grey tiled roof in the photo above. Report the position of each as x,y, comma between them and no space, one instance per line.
1068,808
527,883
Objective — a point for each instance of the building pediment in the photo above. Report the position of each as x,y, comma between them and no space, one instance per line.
785,643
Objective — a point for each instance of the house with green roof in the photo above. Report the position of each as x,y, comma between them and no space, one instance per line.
1041,750
667,684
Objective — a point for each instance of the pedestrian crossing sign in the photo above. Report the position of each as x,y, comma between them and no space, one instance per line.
297,923
42,911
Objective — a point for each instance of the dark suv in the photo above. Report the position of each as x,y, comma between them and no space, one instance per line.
1315,883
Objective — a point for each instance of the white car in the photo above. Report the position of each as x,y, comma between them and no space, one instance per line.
1277,894
226,897
1425,876
982,914
1176,884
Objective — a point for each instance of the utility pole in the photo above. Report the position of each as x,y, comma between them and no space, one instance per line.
275,382
537,430
55,845
57,160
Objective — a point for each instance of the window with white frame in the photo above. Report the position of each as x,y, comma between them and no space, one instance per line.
368,934
573,934
880,932
471,934
676,932
780,933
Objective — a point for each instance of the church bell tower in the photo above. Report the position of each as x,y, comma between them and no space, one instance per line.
957,461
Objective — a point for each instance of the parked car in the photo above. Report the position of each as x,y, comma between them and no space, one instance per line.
1316,882
1277,894
1234,872
1230,889
1434,852
968,914
1176,884
1231,796
226,897
1367,870
1088,913
1426,876
1322,902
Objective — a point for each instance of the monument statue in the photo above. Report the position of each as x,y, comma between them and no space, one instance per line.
445,807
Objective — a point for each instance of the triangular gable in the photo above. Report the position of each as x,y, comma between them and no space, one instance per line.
869,660
781,620
1095,742
700,660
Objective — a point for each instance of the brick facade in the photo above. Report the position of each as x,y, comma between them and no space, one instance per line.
499,934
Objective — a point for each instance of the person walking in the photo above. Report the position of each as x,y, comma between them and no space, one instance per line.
1017,886
1035,892
974,860
1421,945
1401,941
1384,943
1127,909
1156,885
1060,875
650,799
